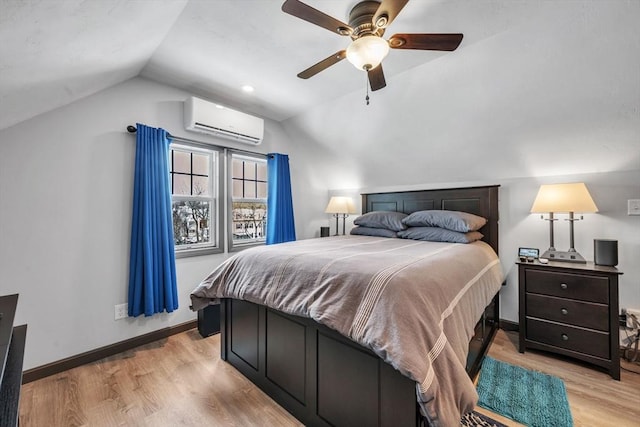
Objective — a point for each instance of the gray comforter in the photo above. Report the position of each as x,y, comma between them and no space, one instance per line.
413,303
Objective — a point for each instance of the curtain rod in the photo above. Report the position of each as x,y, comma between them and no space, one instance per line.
133,129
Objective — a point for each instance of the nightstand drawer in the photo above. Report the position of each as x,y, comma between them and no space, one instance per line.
577,313
574,286
568,337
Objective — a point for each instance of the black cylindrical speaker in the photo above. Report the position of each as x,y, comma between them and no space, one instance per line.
324,231
605,252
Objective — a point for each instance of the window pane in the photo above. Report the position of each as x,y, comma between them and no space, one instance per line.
236,168
191,222
262,190
200,186
237,189
249,170
249,189
194,206
262,171
249,221
181,161
201,164
248,217
181,184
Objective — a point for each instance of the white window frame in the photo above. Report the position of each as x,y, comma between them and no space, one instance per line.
216,211
235,245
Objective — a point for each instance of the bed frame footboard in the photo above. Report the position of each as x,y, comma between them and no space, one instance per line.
321,377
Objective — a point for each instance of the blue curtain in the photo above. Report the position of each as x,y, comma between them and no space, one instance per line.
280,224
152,269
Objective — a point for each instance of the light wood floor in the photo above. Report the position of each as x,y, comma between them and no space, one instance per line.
182,381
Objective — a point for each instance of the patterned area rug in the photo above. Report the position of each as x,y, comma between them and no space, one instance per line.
529,397
476,419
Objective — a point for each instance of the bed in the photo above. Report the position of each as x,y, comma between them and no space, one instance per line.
331,368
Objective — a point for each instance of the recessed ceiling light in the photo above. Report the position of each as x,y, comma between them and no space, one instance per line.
247,88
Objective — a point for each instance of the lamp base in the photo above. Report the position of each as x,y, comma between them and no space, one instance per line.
563,256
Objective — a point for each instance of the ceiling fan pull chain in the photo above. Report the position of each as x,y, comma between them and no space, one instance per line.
366,85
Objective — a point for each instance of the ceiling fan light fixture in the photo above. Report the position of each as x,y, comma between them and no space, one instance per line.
367,52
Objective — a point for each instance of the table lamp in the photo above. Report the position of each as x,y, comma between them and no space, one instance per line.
340,206
563,198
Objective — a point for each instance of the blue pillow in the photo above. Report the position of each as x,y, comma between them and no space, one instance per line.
377,232
382,219
462,222
436,234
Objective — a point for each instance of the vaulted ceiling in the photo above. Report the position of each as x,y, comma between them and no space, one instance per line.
53,52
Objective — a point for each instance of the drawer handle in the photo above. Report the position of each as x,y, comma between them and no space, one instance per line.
563,286
564,311
565,337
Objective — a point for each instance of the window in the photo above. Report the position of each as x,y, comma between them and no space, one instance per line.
248,199
198,201
195,181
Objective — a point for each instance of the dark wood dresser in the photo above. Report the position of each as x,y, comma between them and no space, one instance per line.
12,341
572,310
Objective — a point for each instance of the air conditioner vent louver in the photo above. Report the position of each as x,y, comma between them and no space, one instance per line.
207,117
215,130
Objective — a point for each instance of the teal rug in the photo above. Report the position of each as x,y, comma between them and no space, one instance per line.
531,398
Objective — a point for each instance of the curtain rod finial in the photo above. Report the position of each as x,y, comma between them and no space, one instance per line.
131,129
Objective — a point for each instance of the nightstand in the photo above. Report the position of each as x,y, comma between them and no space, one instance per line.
572,310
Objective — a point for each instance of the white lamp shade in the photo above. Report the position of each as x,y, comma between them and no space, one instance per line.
341,205
564,198
367,52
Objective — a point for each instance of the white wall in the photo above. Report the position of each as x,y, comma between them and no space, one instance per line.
66,181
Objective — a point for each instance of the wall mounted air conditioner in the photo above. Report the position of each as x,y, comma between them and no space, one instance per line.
213,119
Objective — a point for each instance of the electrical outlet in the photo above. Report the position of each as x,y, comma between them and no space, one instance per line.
622,319
121,311
633,207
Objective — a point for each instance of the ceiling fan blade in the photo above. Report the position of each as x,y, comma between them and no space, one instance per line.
376,78
322,65
309,14
387,12
447,42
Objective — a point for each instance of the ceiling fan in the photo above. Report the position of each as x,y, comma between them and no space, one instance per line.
367,23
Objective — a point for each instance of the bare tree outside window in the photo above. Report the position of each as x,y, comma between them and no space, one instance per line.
249,220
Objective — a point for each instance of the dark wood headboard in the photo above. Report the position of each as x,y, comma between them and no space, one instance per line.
481,201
